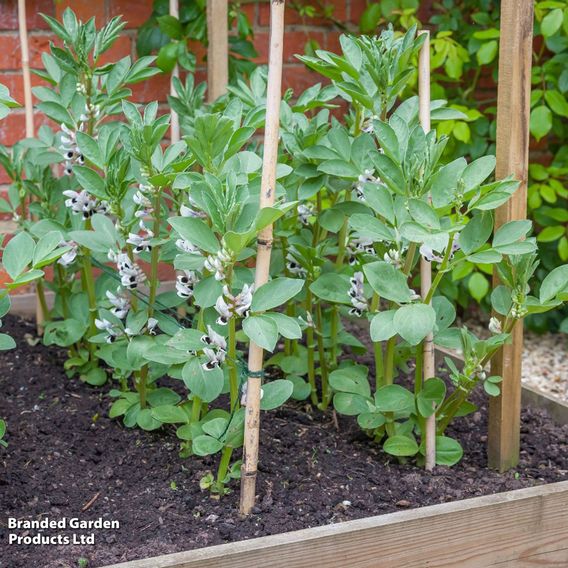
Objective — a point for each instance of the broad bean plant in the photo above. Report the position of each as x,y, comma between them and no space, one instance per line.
152,246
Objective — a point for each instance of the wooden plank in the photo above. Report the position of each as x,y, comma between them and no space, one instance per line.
513,107
515,529
218,48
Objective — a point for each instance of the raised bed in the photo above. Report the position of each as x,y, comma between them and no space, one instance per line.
517,529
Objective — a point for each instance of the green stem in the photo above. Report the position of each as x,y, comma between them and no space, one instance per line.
233,373
377,346
195,409
389,365
333,332
223,468
325,394
40,291
310,348
343,238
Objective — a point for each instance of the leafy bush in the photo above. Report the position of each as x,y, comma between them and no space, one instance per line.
106,201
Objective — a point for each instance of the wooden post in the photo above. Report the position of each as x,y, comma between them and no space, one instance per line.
174,124
264,247
513,107
30,131
218,48
429,367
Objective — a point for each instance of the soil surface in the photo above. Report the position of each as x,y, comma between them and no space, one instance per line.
65,455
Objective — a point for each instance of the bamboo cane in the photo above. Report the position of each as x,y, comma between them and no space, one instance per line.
29,114
429,368
174,124
264,246
218,48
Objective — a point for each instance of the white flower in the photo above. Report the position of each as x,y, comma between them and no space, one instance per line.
223,310
69,257
214,358
185,246
120,304
218,263
214,339
429,255
185,283
141,243
393,257
131,275
361,245
357,295
294,266
495,325
304,213
186,211
152,325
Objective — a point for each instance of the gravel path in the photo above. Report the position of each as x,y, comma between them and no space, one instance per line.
545,363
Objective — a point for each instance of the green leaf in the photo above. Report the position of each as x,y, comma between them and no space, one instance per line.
275,293
351,379
394,398
170,26
476,233
288,327
206,445
445,182
262,330
511,232
540,121
90,180
351,404
382,326
339,168
196,231
401,446
146,420
332,287
414,322
431,396
187,340
448,451
170,414
557,102
18,253
6,342
478,286
554,283
276,393
388,282
551,22
370,227
477,172
163,396
207,385
487,52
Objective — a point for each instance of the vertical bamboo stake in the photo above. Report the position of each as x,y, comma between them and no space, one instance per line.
218,48
174,124
267,195
429,368
513,108
29,113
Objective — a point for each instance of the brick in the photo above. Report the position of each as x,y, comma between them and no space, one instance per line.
292,17
199,50
357,9
154,89
10,54
15,83
299,78
13,127
84,9
9,14
135,12
121,48
294,43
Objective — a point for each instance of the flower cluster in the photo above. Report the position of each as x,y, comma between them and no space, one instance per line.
120,304
357,295
228,305
366,177
70,256
131,275
141,242
394,257
218,264
69,149
294,267
185,284
216,350
360,245
305,211
81,202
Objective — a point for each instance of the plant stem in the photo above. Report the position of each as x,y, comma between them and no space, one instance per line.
195,409
223,468
233,374
377,346
310,347
322,360
389,365
40,291
343,232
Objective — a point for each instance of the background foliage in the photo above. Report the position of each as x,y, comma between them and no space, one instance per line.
465,36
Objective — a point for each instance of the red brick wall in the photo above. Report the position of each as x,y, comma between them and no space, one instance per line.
136,12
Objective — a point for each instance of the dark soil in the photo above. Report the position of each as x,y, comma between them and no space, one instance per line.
64,450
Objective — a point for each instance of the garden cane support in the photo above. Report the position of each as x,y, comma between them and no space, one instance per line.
513,104
267,195
29,113
174,123
218,48
429,368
